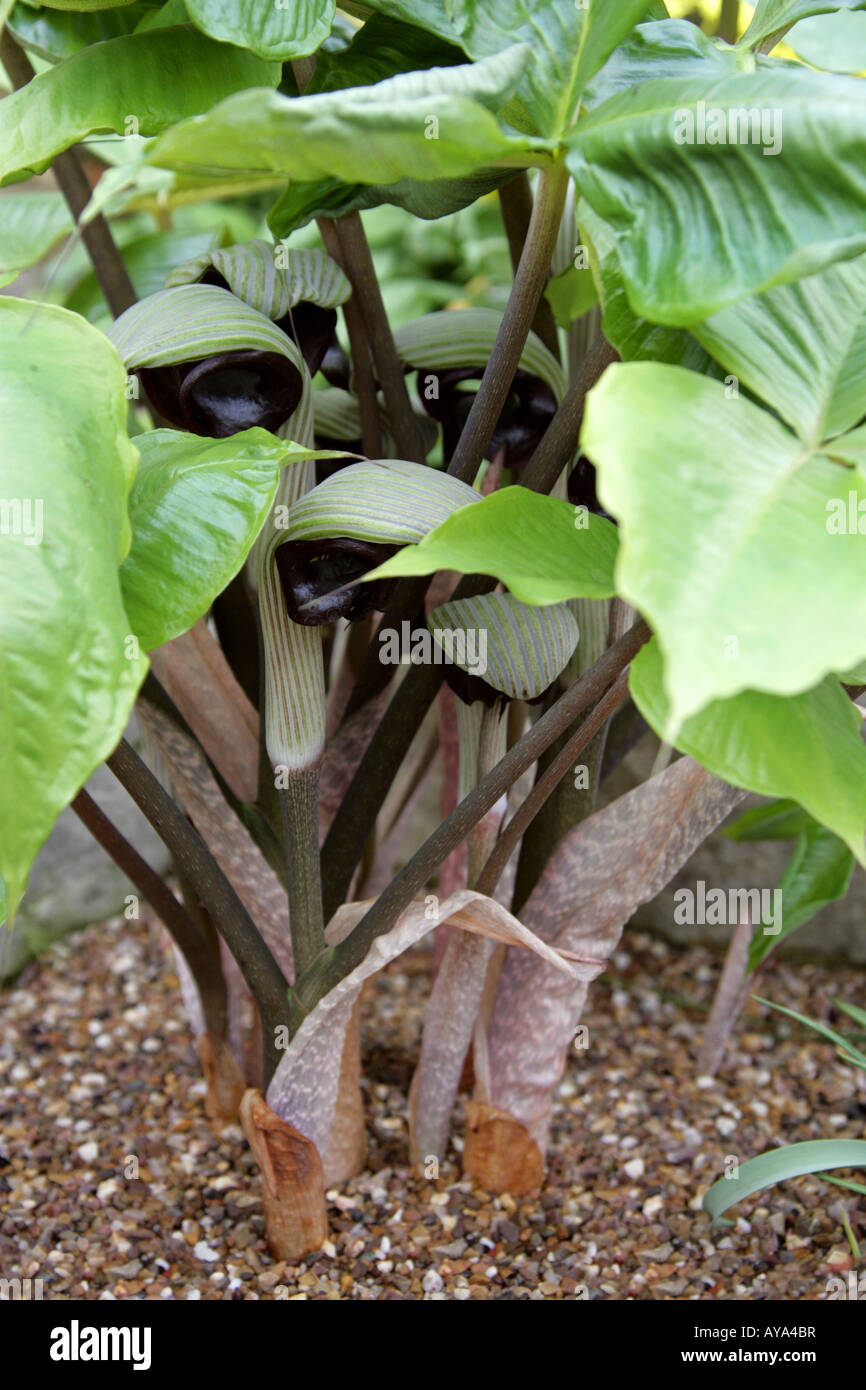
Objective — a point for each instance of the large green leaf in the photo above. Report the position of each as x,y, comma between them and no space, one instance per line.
30,226
428,198
532,543
634,338
716,500
148,260
778,1165
569,44
69,674
835,42
672,48
775,820
786,214
156,78
273,31
86,5
817,874
423,125
381,48
802,348
54,34
773,17
430,15
196,507
805,747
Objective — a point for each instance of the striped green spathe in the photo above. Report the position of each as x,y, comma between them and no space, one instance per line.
526,648
191,322
386,501
272,279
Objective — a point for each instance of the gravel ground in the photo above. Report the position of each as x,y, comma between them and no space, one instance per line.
113,1185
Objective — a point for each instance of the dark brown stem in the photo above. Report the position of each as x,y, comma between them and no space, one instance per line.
357,261
548,782
195,949
108,264
515,201
399,894
365,383
523,302
562,435
258,967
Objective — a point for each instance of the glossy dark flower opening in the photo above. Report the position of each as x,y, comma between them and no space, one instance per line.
529,409
225,393
582,488
314,576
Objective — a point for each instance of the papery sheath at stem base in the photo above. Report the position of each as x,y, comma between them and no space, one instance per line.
499,1153
296,1219
223,1078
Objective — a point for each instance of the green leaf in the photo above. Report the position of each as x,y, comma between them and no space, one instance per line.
85,5
55,34
851,448
430,15
196,507
634,338
835,42
773,17
424,125
672,48
530,542
66,464
843,1043
778,1165
386,501
818,873
804,747
800,347
714,497
31,224
148,260
569,44
157,78
429,198
284,31
381,48
570,294
777,820
786,214
523,649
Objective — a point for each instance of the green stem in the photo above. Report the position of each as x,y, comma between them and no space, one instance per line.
357,261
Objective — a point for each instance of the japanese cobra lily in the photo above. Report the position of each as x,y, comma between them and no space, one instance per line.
298,290
352,522
450,350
